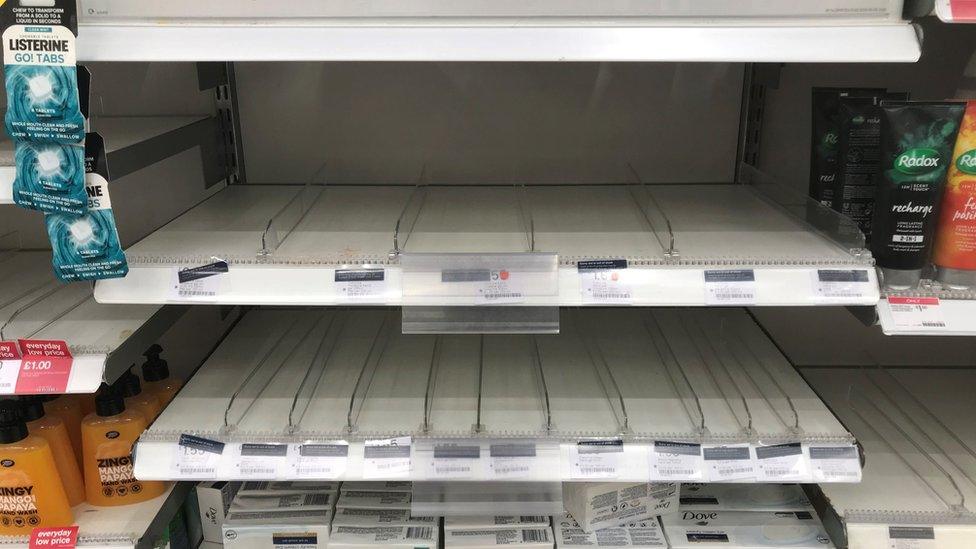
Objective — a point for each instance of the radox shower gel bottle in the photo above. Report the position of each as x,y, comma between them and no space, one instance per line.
955,238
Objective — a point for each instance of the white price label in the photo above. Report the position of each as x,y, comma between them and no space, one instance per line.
730,287
203,283
604,281
326,460
911,537
197,457
455,461
834,462
512,460
727,462
597,458
840,284
261,461
782,463
360,283
916,313
386,458
9,371
676,461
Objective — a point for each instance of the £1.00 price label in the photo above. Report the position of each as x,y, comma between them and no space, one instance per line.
45,367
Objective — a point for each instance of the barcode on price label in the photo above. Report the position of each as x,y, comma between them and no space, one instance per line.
455,460
511,459
197,457
730,287
671,460
782,462
596,458
360,283
202,283
911,537
386,458
604,281
326,460
728,462
841,283
835,463
916,313
261,460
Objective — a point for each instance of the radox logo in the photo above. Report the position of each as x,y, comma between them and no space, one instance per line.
918,161
966,163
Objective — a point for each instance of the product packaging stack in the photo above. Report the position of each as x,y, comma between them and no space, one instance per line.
615,514
266,514
528,532
377,515
744,516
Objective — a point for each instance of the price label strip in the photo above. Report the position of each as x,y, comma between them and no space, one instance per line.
730,287
202,283
728,462
9,367
357,284
676,461
911,537
320,460
511,459
840,284
386,458
261,461
44,368
835,463
918,314
492,286
604,281
596,458
782,463
197,457
455,461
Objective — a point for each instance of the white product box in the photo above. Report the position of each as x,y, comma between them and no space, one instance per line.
386,537
214,500
374,500
283,488
597,505
743,497
279,530
745,530
377,486
524,538
351,516
495,523
318,502
637,535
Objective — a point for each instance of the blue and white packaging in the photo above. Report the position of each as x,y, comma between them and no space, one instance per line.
87,247
50,178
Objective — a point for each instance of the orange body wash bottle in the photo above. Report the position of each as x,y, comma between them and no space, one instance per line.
136,399
155,372
68,408
52,429
108,436
31,494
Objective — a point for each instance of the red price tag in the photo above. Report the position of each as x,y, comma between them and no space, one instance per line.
45,367
9,350
963,10
62,537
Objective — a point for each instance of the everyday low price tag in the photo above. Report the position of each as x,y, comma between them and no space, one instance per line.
730,287
59,537
834,462
840,284
327,460
676,461
203,283
782,463
44,368
511,460
357,284
916,313
727,462
452,460
604,281
197,457
596,458
261,461
9,367
386,458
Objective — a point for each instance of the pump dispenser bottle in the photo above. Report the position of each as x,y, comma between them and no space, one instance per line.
68,408
143,402
155,372
31,494
52,429
108,436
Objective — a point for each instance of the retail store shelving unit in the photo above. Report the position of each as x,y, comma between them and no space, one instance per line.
342,394
920,454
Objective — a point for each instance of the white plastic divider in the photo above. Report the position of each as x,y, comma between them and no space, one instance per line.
928,312
690,395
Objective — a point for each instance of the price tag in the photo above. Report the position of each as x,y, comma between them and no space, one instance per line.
59,537
197,457
491,285
961,10
360,283
911,537
730,287
9,366
44,368
386,458
320,460
203,283
840,284
676,461
604,281
596,458
511,459
728,462
916,313
261,461
834,463
782,463
455,461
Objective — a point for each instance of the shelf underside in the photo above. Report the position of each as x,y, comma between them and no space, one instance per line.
351,375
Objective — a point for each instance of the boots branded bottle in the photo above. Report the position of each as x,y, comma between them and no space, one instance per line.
31,494
52,429
68,408
143,402
155,372
107,437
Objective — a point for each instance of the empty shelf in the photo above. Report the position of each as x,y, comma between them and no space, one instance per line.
920,464
285,377
284,244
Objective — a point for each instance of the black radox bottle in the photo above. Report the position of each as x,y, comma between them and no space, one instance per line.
917,139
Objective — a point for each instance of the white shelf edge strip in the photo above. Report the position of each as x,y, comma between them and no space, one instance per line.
875,43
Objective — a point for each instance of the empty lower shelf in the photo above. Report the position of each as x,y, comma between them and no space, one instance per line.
638,377
284,245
